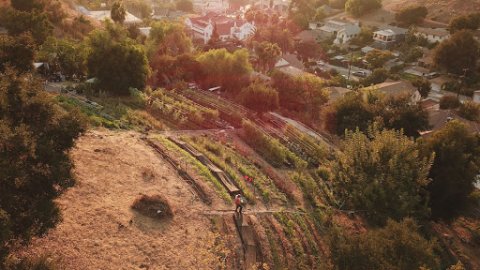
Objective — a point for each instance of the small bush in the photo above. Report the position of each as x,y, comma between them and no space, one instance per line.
153,206
470,110
449,102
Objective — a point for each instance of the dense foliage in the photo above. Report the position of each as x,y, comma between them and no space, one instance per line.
359,8
465,22
231,71
411,15
456,164
397,246
116,61
17,52
382,175
35,136
458,54
118,12
355,111
259,97
302,93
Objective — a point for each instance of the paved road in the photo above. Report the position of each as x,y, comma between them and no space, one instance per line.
344,71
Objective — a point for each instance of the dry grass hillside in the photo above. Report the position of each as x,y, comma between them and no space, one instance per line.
100,230
439,10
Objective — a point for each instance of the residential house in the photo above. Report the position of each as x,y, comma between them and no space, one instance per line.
388,36
433,35
342,31
102,15
395,88
476,96
227,28
290,65
439,118
308,36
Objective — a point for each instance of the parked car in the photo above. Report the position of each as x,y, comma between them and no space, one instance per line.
361,74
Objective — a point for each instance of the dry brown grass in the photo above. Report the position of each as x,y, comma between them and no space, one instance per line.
155,206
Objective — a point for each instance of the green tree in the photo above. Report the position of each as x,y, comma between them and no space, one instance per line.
184,5
168,38
118,12
397,246
457,54
17,52
413,14
423,86
465,22
35,22
470,111
348,113
359,8
116,61
222,68
454,169
308,50
378,75
259,97
304,93
378,58
64,55
449,102
27,5
301,12
268,54
35,136
382,174
398,112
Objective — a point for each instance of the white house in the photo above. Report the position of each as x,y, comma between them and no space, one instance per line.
388,36
433,34
343,31
227,28
476,96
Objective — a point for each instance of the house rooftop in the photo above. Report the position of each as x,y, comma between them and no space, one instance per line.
391,30
439,118
393,88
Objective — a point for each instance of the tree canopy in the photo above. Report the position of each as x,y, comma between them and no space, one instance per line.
465,22
456,164
118,12
35,136
359,8
413,14
355,111
116,61
222,68
17,52
381,174
301,93
397,246
259,97
457,54
268,54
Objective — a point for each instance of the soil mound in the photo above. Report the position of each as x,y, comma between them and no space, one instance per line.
153,206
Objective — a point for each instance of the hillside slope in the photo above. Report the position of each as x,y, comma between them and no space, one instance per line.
100,231
439,10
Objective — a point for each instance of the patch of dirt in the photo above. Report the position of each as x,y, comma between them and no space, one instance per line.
100,230
439,10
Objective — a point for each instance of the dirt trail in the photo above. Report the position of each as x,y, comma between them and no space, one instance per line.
100,231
